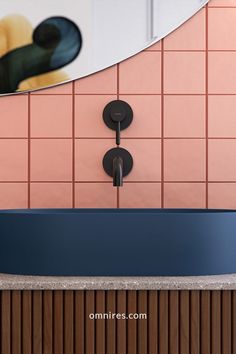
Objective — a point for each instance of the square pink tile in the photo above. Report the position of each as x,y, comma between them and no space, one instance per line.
184,160
222,160
95,195
225,3
90,153
221,116
141,74
184,116
185,195
146,155
222,72
51,116
184,72
190,36
222,195
62,89
51,160
13,195
156,46
222,28
140,195
88,116
13,160
51,195
103,82
14,116
147,116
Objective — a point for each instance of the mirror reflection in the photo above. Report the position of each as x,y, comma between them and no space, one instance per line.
50,42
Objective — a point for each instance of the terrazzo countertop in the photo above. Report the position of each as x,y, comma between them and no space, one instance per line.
18,282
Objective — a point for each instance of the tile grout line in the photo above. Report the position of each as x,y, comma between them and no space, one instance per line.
118,97
126,138
29,152
162,125
146,94
126,182
221,7
118,81
207,111
73,144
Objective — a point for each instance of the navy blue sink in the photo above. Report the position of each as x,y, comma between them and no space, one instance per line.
134,242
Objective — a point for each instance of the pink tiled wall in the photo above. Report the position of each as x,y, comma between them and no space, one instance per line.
183,136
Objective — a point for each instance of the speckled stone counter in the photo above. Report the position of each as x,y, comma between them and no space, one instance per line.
17,282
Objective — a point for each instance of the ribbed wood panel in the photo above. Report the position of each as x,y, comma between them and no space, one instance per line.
57,322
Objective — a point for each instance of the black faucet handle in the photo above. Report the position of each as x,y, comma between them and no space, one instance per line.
118,115
118,134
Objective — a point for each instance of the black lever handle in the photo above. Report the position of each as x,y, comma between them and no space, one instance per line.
118,134
118,115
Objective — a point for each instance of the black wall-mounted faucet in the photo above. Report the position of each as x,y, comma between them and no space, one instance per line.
118,162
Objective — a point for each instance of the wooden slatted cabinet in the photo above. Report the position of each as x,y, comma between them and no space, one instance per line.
178,322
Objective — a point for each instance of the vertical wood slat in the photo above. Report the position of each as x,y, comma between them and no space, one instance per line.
37,322
79,322
0,321
164,322
153,324
6,322
174,322
131,324
26,322
111,323
89,324
47,322
205,322
234,322
226,322
216,322
195,322
142,323
58,321
16,322
68,322
121,324
184,322
100,323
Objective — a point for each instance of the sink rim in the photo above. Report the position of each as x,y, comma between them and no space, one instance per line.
76,211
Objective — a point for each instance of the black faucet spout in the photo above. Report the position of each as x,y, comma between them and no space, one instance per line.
117,163
117,171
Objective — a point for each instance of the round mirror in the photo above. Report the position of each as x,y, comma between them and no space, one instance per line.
45,43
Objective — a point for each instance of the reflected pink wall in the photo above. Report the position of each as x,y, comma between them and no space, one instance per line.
183,137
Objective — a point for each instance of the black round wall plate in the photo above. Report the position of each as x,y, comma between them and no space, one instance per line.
124,155
122,108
